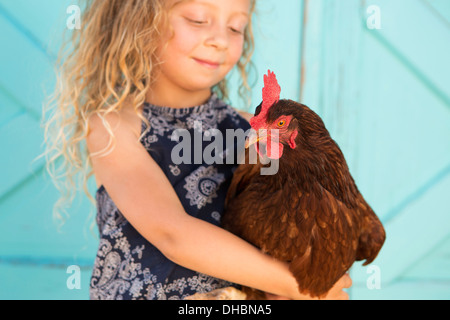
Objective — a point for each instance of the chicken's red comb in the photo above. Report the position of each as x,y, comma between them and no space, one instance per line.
271,91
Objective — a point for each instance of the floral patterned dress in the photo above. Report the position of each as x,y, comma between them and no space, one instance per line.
127,266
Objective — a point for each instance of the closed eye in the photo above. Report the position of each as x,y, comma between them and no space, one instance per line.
197,22
236,31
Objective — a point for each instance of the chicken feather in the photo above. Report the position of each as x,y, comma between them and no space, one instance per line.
309,214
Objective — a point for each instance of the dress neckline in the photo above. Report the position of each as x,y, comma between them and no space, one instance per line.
178,112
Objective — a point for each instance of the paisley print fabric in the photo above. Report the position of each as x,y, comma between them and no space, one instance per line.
127,266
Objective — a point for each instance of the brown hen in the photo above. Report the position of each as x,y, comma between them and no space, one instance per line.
310,213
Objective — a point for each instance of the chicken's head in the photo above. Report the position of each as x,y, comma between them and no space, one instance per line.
275,125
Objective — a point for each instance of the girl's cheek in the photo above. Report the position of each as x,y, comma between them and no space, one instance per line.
237,49
185,37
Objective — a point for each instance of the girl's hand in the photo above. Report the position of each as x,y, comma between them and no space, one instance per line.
335,293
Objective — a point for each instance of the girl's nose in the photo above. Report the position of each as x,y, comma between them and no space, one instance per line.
218,37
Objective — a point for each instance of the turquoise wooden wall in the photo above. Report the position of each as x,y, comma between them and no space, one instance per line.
34,254
383,93
385,97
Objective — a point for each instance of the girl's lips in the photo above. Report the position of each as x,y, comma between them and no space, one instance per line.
208,64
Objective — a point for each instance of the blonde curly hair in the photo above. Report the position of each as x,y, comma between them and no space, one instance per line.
109,61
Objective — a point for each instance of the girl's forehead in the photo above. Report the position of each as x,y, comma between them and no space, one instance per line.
213,3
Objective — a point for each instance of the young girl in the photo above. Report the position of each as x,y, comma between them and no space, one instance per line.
140,70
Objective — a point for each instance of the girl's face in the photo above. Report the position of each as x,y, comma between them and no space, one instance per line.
203,43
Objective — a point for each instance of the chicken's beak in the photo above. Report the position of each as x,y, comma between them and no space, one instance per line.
255,137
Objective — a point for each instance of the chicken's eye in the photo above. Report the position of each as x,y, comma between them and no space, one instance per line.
281,123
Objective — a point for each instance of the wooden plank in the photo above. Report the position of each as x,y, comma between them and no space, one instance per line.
10,110
38,282
401,133
332,71
406,23
434,266
22,146
441,9
279,44
313,31
392,127
413,234
359,90
32,232
42,22
278,47
28,75
404,290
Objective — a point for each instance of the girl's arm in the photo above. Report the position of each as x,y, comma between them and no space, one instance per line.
146,198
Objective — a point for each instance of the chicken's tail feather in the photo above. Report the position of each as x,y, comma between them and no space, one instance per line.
371,240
